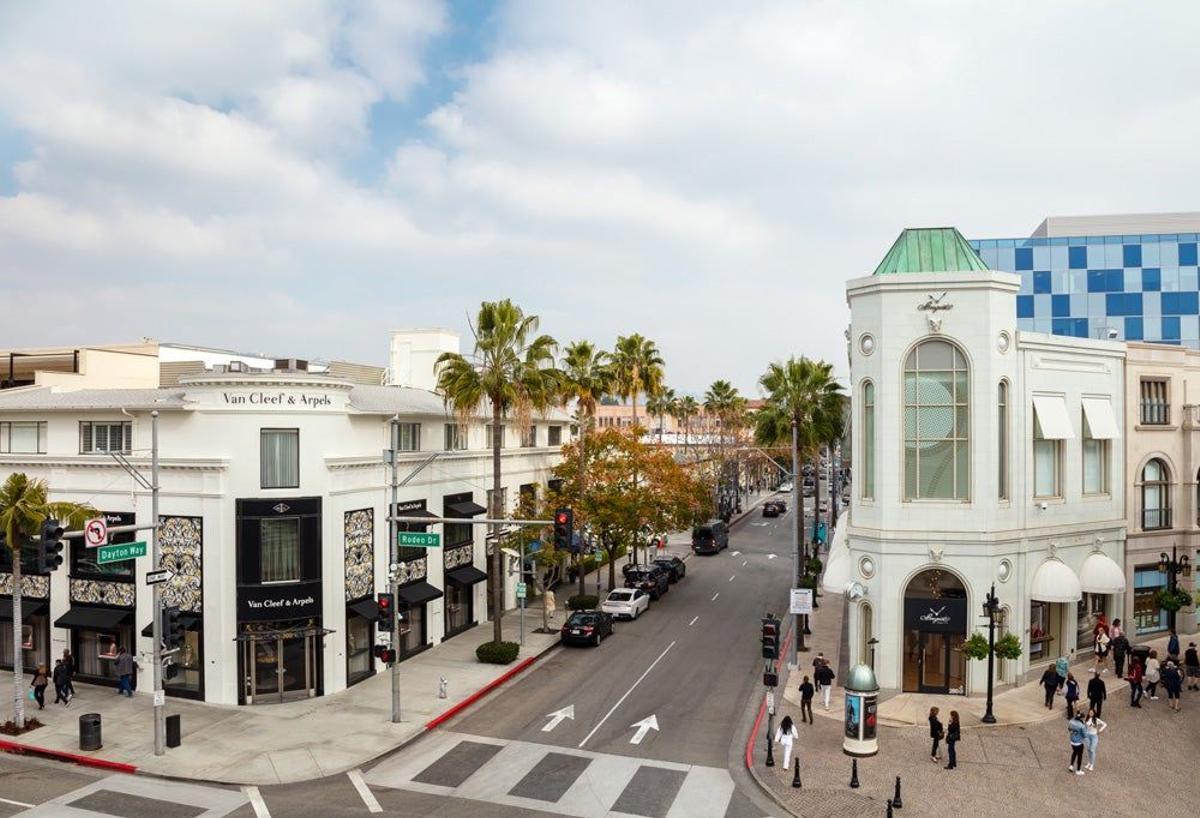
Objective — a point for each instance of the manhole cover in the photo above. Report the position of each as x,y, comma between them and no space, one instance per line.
835,804
1015,751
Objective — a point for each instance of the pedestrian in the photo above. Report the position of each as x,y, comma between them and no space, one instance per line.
818,660
953,734
69,663
785,734
1071,694
1094,726
126,667
1191,661
1061,666
1173,646
1103,643
1135,682
1050,685
806,697
825,677
58,676
1077,733
935,733
1172,679
1151,675
39,684
1097,692
1120,648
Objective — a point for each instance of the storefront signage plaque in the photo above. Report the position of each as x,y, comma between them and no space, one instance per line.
280,400
945,615
294,600
119,553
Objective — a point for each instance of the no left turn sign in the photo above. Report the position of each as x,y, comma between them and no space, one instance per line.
95,532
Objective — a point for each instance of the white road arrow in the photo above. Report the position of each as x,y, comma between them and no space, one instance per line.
557,716
643,727
770,556
736,554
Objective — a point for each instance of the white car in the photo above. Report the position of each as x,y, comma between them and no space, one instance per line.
628,603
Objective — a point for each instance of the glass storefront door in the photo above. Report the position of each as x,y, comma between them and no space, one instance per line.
280,665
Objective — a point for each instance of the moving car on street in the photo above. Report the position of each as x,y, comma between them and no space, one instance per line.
774,508
710,537
627,603
586,628
650,578
675,567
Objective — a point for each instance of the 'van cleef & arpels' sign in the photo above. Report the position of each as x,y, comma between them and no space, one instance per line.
294,600
302,400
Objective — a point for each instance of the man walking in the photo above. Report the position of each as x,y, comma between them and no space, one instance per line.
1191,664
806,697
818,660
1097,692
1120,648
126,667
825,677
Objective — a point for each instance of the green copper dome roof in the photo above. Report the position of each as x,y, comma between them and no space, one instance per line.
930,250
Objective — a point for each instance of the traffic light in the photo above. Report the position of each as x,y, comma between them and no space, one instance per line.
770,638
49,550
172,629
384,654
383,618
564,524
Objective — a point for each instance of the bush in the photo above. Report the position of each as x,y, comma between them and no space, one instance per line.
1009,646
808,581
497,653
815,565
583,602
976,647
1173,601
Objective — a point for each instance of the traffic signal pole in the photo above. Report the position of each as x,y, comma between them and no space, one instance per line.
394,556
797,517
160,724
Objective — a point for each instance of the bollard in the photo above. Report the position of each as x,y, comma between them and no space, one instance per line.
770,756
889,812
896,802
796,777
854,785
442,686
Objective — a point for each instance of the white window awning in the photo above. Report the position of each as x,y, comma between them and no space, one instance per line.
837,571
1101,420
1054,581
1100,574
1052,417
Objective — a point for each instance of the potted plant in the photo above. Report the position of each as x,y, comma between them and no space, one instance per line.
1172,601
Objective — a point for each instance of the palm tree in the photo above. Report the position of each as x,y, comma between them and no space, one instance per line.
23,509
686,408
661,405
511,371
638,368
586,378
723,402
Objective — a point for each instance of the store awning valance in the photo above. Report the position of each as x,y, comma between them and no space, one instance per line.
1100,574
366,608
29,607
1101,420
189,621
418,593
100,619
467,508
466,575
1054,581
837,571
1052,416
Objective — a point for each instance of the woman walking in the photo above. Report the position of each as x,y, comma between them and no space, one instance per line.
1071,694
1102,645
1077,733
1095,726
40,682
785,735
58,675
1151,675
935,733
1172,680
953,734
1135,682
69,663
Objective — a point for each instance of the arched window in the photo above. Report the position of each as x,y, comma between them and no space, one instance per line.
937,463
1002,438
868,440
1156,495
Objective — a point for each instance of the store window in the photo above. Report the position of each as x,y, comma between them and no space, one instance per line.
1087,612
1039,631
358,648
1148,617
529,437
412,629
868,440
1156,496
936,426
23,437
280,458
1156,411
35,641
1095,461
85,562
455,437
554,435
280,549
1047,462
1002,439
95,651
105,437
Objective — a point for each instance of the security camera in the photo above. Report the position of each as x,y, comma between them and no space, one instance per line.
1043,505
1112,334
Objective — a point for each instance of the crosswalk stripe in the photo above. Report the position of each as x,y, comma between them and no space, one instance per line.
16,803
364,792
256,801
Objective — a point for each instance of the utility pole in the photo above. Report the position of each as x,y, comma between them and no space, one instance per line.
160,724
797,516
394,558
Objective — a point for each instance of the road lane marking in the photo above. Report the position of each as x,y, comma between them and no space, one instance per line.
256,801
693,622
736,554
770,556
364,792
557,716
645,673
17,803
731,577
744,563
644,726
717,594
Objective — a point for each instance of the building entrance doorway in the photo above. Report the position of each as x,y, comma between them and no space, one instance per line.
280,664
935,626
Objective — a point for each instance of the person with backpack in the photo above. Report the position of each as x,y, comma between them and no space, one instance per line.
1071,694
1191,663
825,678
1135,682
935,732
953,734
1062,665
1097,692
817,661
806,697
785,734
1173,646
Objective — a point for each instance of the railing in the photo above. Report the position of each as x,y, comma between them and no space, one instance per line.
1155,413
1154,519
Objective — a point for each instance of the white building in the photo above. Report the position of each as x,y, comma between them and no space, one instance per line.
274,519
981,456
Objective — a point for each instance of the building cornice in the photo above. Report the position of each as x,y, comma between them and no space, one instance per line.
87,461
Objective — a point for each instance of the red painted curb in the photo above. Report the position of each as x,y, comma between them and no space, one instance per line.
73,758
762,710
479,694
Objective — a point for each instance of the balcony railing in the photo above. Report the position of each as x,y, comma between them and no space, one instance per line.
1155,413
1155,519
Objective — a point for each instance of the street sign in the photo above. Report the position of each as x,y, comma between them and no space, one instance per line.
117,553
419,539
95,532
802,601
520,590
160,698
771,702
155,577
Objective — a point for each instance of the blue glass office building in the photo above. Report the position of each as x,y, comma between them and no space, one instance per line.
1139,286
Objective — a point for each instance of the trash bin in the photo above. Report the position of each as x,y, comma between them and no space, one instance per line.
1139,652
89,731
173,730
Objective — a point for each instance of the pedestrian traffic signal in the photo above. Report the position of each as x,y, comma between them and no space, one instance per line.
384,654
564,525
770,638
383,617
172,628
49,550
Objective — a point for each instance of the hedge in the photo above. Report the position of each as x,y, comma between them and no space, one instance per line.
583,602
497,653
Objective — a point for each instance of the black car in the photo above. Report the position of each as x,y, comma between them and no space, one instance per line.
774,508
650,578
676,568
710,537
586,627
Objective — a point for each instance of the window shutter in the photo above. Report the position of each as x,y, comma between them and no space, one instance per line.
128,437
85,437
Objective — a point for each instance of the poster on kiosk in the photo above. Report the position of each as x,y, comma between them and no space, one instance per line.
862,701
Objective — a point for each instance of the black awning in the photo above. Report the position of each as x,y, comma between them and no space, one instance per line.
29,607
366,608
189,621
418,593
467,508
466,575
418,512
100,619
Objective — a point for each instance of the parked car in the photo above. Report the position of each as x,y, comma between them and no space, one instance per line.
586,627
628,603
675,567
710,537
774,508
649,578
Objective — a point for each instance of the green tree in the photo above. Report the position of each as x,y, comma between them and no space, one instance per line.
23,508
637,369
512,373
723,402
686,408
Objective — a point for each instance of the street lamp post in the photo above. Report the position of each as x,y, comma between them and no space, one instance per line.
1173,567
991,607
871,643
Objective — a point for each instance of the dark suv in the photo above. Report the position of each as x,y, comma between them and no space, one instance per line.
710,537
649,578
676,568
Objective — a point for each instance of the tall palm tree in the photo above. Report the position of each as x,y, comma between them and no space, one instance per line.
586,378
638,368
661,405
723,402
686,408
23,509
511,371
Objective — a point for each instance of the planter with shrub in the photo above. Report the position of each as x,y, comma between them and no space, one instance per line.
497,653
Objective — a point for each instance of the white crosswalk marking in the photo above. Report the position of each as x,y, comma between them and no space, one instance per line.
215,802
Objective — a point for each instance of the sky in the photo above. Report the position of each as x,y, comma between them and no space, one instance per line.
300,178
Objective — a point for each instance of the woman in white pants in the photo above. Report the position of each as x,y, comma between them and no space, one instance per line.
1091,739
785,735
